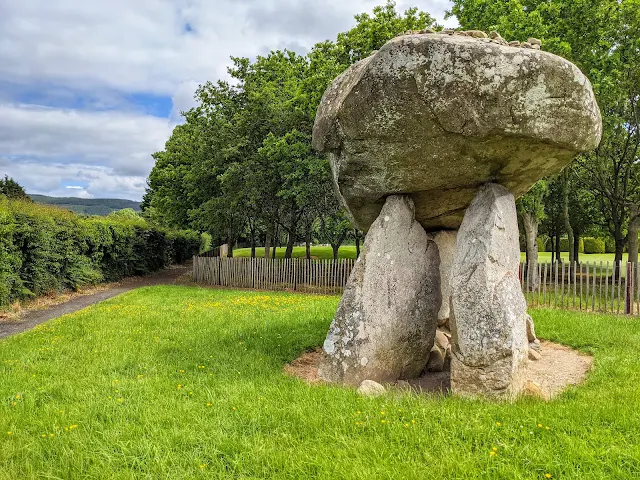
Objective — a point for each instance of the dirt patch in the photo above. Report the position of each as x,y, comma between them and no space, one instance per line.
559,367
306,366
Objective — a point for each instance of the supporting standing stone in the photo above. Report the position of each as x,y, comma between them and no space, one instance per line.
488,309
446,241
386,321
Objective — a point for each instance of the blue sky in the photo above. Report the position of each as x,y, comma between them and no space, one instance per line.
89,90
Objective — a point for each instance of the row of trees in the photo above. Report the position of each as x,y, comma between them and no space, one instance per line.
241,166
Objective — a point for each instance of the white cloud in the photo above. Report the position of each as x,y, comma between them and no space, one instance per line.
54,52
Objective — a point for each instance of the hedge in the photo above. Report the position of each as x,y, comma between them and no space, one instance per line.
564,245
47,249
594,245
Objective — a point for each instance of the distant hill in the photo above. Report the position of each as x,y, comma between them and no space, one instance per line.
87,206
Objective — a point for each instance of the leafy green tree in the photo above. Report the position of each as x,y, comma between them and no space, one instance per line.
241,166
531,210
12,189
603,38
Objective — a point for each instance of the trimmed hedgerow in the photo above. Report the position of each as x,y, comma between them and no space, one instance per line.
46,249
594,245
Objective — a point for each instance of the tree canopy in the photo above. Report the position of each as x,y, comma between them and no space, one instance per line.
242,164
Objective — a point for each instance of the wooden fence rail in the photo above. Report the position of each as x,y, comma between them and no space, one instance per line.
299,274
599,287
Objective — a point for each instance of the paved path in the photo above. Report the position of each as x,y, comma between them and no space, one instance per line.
36,317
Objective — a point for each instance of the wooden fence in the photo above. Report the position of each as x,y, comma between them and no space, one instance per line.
299,274
592,286
598,287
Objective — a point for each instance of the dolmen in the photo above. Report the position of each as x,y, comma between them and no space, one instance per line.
431,139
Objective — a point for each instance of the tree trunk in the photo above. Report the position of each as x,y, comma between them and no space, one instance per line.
267,245
530,223
276,240
357,237
558,253
335,249
576,248
634,226
307,244
291,240
230,242
565,214
552,241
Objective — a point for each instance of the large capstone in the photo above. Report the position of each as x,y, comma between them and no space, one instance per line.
435,117
386,321
488,310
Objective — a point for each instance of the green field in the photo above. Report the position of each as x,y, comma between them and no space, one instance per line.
185,382
349,251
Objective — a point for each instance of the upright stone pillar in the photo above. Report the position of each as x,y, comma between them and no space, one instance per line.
386,321
488,309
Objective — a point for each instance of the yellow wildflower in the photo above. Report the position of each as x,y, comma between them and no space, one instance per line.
9,433
547,475
498,424
492,453
539,425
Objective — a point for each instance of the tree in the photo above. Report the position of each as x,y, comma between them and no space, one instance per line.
12,189
603,38
531,210
241,166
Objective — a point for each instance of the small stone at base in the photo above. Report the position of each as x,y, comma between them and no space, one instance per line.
370,388
533,355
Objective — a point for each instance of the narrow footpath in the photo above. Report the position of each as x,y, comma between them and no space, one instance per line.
35,317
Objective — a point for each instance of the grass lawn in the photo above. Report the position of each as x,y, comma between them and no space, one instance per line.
185,382
349,251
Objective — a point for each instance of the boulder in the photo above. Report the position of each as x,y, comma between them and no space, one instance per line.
436,359
488,310
446,242
386,319
369,388
442,340
436,116
533,389
534,355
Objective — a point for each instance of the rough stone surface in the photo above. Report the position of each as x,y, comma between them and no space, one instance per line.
534,355
386,320
436,116
446,242
488,310
436,360
533,389
369,388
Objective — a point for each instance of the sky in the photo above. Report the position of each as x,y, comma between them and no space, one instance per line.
89,89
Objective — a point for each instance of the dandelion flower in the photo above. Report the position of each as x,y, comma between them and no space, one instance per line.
492,453
51,435
9,433
539,425
498,424
44,435
547,475
233,408
547,428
